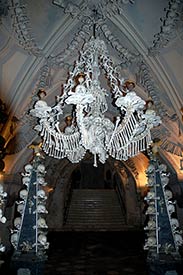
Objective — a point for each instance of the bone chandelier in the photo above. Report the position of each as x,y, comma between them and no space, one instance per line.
89,128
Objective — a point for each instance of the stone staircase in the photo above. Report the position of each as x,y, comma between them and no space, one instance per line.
95,210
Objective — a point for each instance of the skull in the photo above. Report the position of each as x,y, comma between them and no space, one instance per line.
151,225
162,168
168,194
150,195
151,210
174,224
2,248
171,208
2,219
26,181
41,223
41,194
23,194
42,239
14,239
150,169
41,209
17,222
178,239
20,208
41,181
2,193
41,169
151,242
151,181
164,180
28,169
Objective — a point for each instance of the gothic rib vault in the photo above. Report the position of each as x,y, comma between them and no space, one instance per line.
40,40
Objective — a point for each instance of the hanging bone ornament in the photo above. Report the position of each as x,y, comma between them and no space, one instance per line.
120,137
23,194
17,222
2,218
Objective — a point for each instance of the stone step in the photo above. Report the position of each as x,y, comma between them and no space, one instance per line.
95,209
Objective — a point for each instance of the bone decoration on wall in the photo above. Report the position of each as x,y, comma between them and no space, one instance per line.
163,235
89,129
28,235
3,196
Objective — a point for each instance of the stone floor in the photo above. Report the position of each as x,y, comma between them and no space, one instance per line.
101,253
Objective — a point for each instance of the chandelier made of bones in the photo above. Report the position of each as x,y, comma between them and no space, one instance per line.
89,128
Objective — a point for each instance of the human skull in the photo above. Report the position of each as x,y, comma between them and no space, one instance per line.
17,222
150,169
151,225
2,193
41,223
150,195
2,218
150,210
41,194
151,181
26,181
174,223
151,242
162,167
164,180
2,248
28,169
41,209
168,194
42,239
171,208
23,194
14,239
20,208
178,239
41,181
41,169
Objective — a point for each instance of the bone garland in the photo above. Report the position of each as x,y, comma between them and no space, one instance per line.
21,25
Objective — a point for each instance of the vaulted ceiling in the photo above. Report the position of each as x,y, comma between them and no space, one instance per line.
41,39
